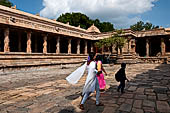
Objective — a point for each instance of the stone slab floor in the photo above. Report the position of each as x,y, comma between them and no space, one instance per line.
45,90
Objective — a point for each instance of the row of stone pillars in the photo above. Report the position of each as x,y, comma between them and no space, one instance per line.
29,49
162,47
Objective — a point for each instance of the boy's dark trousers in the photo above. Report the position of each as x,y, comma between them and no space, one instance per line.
121,86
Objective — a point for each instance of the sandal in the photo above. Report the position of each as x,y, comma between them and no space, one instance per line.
100,104
81,106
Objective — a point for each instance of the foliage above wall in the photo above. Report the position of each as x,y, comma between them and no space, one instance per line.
116,40
5,3
76,19
139,26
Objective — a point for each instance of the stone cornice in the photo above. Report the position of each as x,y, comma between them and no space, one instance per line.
17,18
22,19
154,32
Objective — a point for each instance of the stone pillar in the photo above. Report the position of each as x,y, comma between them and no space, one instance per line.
6,40
133,46
19,41
29,42
113,49
85,48
92,49
36,45
58,45
147,47
102,49
129,46
162,47
45,44
78,47
69,46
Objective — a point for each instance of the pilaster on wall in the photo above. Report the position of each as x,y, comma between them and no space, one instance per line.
19,41
162,46
29,42
147,47
78,46
129,44
92,49
6,40
69,46
85,47
45,43
58,45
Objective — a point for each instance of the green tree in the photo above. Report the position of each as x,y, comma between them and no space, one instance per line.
5,3
76,19
139,26
117,40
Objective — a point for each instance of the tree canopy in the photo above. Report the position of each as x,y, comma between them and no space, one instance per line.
76,19
117,40
139,26
5,3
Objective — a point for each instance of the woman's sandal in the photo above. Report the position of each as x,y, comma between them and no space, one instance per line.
100,104
81,106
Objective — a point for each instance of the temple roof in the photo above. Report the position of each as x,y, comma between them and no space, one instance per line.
93,29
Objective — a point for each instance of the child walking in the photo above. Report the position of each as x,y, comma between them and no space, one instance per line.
121,76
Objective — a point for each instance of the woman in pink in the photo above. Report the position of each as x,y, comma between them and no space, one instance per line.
100,75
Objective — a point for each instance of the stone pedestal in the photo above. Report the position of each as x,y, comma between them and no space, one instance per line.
119,59
6,40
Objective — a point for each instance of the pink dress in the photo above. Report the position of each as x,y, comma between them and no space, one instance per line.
100,77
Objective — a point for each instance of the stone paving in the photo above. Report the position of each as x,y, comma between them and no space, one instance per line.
45,90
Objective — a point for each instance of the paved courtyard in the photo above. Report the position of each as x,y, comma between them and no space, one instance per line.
45,90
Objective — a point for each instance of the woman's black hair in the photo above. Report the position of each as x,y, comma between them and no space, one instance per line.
123,65
91,55
98,57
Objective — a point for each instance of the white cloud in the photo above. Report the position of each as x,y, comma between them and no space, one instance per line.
117,12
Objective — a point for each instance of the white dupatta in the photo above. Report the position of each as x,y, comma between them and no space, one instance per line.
75,76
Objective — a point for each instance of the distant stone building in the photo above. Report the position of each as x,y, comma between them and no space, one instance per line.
25,37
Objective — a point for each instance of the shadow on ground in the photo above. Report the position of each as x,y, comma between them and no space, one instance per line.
146,86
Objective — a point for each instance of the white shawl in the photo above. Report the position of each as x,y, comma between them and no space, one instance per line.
75,76
90,83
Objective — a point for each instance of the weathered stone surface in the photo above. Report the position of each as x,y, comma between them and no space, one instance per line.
163,106
162,96
132,88
140,90
149,103
137,104
140,97
46,90
125,107
137,110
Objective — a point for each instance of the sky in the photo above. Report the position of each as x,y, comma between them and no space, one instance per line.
121,13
